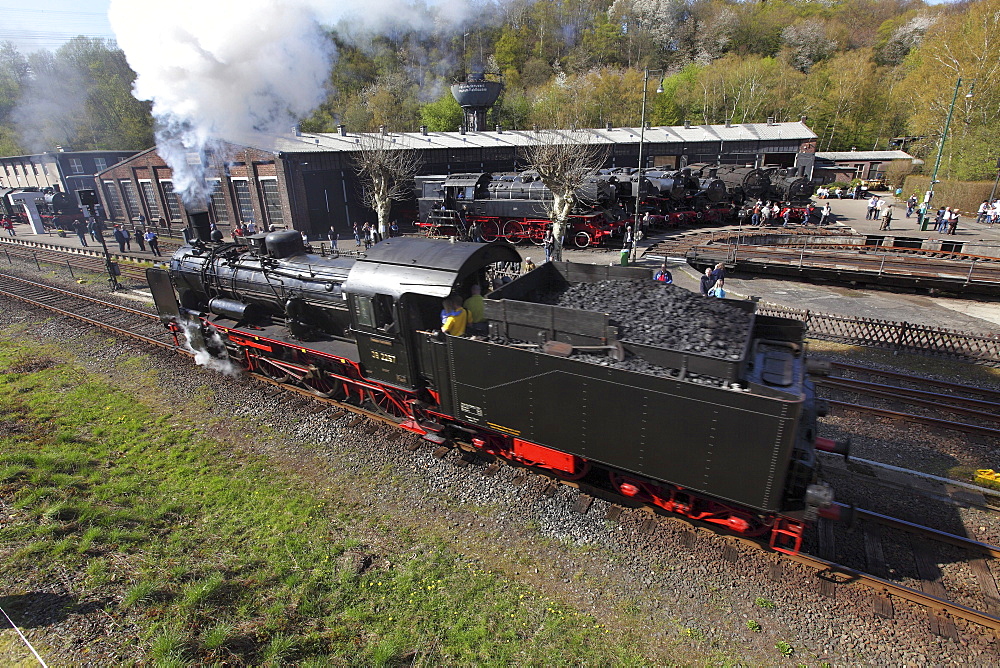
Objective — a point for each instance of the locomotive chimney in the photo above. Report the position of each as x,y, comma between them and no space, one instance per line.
461,128
770,120
381,129
687,124
199,226
609,125
729,122
296,130
499,129
423,130
802,119
342,129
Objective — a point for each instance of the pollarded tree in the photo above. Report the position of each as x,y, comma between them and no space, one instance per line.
563,160
386,172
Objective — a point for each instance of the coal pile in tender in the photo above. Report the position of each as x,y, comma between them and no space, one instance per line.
665,316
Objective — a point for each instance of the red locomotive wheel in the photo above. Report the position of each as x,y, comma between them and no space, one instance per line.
323,385
490,231
383,404
582,239
272,371
513,231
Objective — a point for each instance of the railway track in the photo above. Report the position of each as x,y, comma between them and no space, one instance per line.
920,564
922,582
83,259
978,409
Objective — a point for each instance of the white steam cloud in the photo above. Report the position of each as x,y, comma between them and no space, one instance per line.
225,70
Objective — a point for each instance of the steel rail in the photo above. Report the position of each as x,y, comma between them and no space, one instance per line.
91,321
920,419
956,387
902,591
913,397
936,534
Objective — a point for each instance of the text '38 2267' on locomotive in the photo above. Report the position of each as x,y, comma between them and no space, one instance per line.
721,432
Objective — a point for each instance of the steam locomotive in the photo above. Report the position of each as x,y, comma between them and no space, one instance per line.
55,208
728,440
515,206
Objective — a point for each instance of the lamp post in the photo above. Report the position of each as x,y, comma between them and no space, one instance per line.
944,135
994,191
642,137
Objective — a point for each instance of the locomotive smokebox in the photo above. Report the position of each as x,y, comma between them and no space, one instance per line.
199,227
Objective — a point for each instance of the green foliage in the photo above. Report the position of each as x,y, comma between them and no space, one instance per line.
762,602
784,648
753,626
443,114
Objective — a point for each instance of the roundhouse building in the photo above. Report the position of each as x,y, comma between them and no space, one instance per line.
308,182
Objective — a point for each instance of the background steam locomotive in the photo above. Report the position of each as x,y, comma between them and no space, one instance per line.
514,206
710,414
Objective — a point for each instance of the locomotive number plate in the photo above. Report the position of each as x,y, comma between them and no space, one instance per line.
469,409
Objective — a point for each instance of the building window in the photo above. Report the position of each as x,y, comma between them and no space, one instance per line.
243,201
272,201
101,164
170,197
131,198
76,165
149,197
219,209
111,194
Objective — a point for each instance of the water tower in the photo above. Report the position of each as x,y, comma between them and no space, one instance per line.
476,96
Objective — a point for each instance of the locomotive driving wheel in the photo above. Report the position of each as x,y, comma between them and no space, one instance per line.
323,385
271,370
382,403
513,231
581,239
490,231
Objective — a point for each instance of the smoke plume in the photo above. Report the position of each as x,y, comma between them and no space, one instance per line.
227,70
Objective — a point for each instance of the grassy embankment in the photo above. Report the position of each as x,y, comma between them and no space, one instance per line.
217,555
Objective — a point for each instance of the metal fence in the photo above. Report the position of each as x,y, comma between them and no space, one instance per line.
891,335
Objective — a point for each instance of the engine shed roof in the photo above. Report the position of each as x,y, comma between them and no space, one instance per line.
432,267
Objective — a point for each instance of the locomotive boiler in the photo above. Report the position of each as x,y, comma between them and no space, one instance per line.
727,438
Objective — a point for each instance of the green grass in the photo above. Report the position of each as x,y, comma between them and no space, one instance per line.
219,556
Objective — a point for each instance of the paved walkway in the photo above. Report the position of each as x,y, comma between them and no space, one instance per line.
977,316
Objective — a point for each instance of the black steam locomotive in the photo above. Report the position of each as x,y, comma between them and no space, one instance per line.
727,438
515,206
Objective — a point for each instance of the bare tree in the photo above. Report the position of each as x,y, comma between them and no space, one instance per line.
386,170
563,160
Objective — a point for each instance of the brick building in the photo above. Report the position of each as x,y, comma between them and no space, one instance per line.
247,186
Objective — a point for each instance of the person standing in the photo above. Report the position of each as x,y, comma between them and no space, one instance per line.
128,238
548,242
943,216
154,243
824,216
140,239
872,203
886,217
81,231
953,221
984,209
357,235
119,236
92,229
